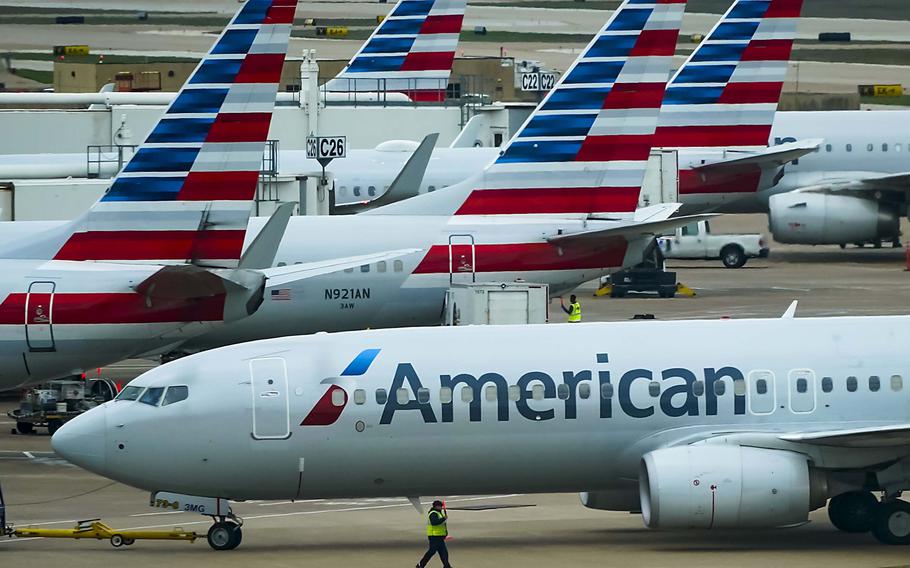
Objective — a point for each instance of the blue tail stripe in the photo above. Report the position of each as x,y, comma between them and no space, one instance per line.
705,74
400,27
389,45
198,101
594,72
692,95
235,42
367,64
612,46
587,98
746,9
549,151
630,19
216,71
162,160
414,8
742,31
719,52
361,363
144,189
254,12
180,130
559,125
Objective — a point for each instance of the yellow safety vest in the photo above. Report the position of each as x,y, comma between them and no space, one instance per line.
574,312
436,530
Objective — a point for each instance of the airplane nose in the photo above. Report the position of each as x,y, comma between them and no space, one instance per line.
83,440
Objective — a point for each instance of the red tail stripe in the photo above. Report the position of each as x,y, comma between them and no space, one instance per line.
611,148
768,50
281,14
655,42
691,181
428,61
635,95
711,136
751,93
153,245
240,127
520,257
784,9
550,200
229,186
433,95
112,308
442,24
261,68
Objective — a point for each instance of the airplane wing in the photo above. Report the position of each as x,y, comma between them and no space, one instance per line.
770,156
632,229
284,274
869,437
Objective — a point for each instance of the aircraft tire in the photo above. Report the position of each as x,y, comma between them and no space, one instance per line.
237,537
222,535
892,523
853,512
25,427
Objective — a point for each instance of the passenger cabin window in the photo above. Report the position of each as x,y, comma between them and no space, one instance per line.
584,391
828,147
885,147
537,392
897,147
371,190
445,395
398,266
802,385
897,383
360,396
338,397
431,189
761,386
402,396
381,266
349,270
698,388
562,392
720,387
423,395
364,267
654,388
490,393
130,393
874,383
152,396
851,384
827,384
381,396
175,394
606,390
739,387
343,190
282,264
467,394
514,393
870,147
357,191
849,147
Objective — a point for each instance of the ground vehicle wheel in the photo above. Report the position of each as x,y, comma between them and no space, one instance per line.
892,523
224,536
129,541
117,540
25,427
853,512
733,256
53,426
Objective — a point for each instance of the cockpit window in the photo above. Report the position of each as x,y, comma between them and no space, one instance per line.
175,394
152,396
130,393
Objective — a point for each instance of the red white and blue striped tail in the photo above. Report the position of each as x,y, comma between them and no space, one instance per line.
727,92
186,194
585,148
411,52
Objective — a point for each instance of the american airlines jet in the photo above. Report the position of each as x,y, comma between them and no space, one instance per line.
710,434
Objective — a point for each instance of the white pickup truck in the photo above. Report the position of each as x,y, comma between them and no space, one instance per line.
695,241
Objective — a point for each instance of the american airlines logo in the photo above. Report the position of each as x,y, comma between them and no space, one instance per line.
539,396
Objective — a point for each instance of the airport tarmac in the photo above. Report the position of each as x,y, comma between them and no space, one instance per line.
499,530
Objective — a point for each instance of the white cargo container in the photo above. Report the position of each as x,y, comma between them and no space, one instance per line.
497,303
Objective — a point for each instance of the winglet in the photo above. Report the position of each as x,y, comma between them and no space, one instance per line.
791,310
407,182
261,252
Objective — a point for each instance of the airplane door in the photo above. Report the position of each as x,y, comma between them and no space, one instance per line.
462,259
802,390
761,392
269,381
39,311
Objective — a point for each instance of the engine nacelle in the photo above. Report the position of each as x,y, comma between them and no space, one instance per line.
612,499
724,486
826,219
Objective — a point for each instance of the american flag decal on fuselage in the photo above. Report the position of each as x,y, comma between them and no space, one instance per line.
186,194
411,52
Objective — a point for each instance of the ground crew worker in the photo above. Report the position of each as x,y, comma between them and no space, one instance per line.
436,534
574,309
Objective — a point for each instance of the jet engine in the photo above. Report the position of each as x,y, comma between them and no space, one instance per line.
611,499
724,486
827,219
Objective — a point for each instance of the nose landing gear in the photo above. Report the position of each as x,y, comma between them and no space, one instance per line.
226,533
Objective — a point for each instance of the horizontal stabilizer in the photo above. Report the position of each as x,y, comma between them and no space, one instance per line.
632,229
772,156
261,252
407,182
870,437
285,274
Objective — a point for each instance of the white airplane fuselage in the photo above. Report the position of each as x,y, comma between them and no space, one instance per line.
475,410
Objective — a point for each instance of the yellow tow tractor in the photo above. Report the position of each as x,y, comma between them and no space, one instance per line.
93,528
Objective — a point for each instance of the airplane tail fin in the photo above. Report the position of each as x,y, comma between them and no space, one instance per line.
186,194
410,52
585,148
727,91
